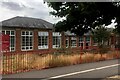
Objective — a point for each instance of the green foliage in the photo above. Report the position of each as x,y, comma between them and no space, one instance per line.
104,49
116,31
101,35
118,46
82,17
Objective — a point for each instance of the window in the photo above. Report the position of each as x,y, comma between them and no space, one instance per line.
56,40
42,40
87,45
67,42
81,41
27,40
87,42
11,33
88,38
73,42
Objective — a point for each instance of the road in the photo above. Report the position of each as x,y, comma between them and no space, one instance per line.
91,71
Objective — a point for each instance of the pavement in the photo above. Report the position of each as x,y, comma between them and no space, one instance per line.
92,71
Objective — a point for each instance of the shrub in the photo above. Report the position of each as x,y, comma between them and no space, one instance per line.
104,57
74,59
103,49
57,61
87,57
110,56
77,58
97,57
40,62
28,61
115,54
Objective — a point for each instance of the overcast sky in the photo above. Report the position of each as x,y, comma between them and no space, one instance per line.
27,8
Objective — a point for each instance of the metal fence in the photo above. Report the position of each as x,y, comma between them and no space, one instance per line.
19,62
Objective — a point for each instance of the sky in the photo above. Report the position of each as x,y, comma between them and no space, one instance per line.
27,8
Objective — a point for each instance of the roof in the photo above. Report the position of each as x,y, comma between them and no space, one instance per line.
27,22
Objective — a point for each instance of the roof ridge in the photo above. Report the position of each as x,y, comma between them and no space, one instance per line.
31,18
27,22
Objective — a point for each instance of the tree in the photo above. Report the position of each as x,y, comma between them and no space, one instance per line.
101,35
82,17
118,38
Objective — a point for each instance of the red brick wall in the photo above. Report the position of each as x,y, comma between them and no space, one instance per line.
41,51
18,40
84,45
35,44
63,39
50,40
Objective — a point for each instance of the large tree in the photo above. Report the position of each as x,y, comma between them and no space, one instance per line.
82,17
101,34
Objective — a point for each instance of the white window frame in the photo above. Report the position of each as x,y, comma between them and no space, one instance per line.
81,41
43,34
86,38
67,42
5,31
88,41
73,45
25,47
56,35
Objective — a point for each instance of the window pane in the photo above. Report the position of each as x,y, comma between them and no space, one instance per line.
43,40
30,47
30,32
67,43
23,41
12,33
73,42
3,32
81,39
56,41
23,32
27,32
87,38
12,49
23,48
27,40
27,48
12,38
8,32
30,41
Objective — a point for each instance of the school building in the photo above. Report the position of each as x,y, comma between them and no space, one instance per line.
38,36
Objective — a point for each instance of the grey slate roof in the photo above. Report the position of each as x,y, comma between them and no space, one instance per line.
27,22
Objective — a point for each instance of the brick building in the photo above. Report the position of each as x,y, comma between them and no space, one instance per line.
36,35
